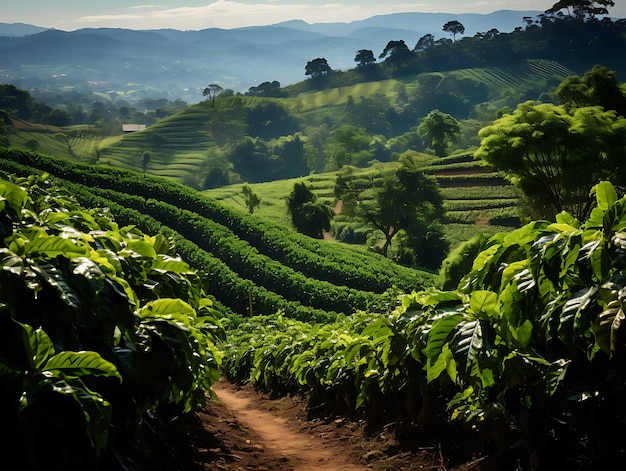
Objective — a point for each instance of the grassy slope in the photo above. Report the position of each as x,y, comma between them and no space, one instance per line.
234,248
475,197
179,144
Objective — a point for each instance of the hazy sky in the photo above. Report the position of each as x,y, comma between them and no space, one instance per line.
199,14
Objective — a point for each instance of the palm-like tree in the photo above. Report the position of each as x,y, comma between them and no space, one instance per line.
440,128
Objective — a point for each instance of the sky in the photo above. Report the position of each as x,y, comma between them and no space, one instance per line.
69,15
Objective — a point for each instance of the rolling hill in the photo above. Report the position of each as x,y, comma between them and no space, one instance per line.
250,262
182,63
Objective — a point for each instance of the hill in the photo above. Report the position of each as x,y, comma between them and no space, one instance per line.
182,63
250,262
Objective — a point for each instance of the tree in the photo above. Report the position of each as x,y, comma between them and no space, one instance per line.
145,160
454,27
425,42
556,157
407,199
364,57
440,128
348,145
597,87
582,9
307,215
267,89
317,68
251,198
212,91
397,51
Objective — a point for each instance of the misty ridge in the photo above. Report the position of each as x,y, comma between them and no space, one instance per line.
179,64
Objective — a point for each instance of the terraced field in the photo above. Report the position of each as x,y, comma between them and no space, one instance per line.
476,198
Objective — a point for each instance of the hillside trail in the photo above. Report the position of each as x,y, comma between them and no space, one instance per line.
271,434
242,429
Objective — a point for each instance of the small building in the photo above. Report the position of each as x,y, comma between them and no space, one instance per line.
133,127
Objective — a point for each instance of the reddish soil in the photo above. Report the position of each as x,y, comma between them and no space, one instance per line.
251,431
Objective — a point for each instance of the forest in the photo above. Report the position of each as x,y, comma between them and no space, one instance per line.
430,243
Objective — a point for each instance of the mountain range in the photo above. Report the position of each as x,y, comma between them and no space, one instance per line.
179,64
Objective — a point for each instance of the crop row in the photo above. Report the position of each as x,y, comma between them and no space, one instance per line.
528,350
334,263
106,333
478,204
231,290
244,260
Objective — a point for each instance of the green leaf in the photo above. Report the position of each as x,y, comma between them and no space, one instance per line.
483,301
468,342
82,364
440,333
171,264
607,325
606,196
523,332
13,196
38,345
444,362
556,375
570,325
53,246
141,248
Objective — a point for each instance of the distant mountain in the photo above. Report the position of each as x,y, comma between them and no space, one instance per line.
179,64
19,29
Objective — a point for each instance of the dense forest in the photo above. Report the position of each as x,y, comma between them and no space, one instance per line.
433,239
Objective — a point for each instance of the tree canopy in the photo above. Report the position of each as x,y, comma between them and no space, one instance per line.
364,57
454,27
440,128
317,68
308,216
582,9
405,200
556,156
598,86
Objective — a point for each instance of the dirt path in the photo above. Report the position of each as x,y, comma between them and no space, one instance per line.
275,433
244,430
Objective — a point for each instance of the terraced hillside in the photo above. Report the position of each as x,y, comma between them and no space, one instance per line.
252,264
476,197
181,147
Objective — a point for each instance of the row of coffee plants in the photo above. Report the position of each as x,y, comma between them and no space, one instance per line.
340,265
105,333
529,350
236,294
244,260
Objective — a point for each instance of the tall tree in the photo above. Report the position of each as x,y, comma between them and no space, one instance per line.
396,52
364,57
556,156
425,42
405,200
440,128
308,216
582,9
212,91
317,68
251,198
454,27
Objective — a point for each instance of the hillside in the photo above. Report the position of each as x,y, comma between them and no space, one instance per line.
187,61
190,144
249,261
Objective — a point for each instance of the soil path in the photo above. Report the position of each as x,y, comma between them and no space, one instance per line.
282,437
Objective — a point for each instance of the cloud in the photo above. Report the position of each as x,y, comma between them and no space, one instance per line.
231,14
